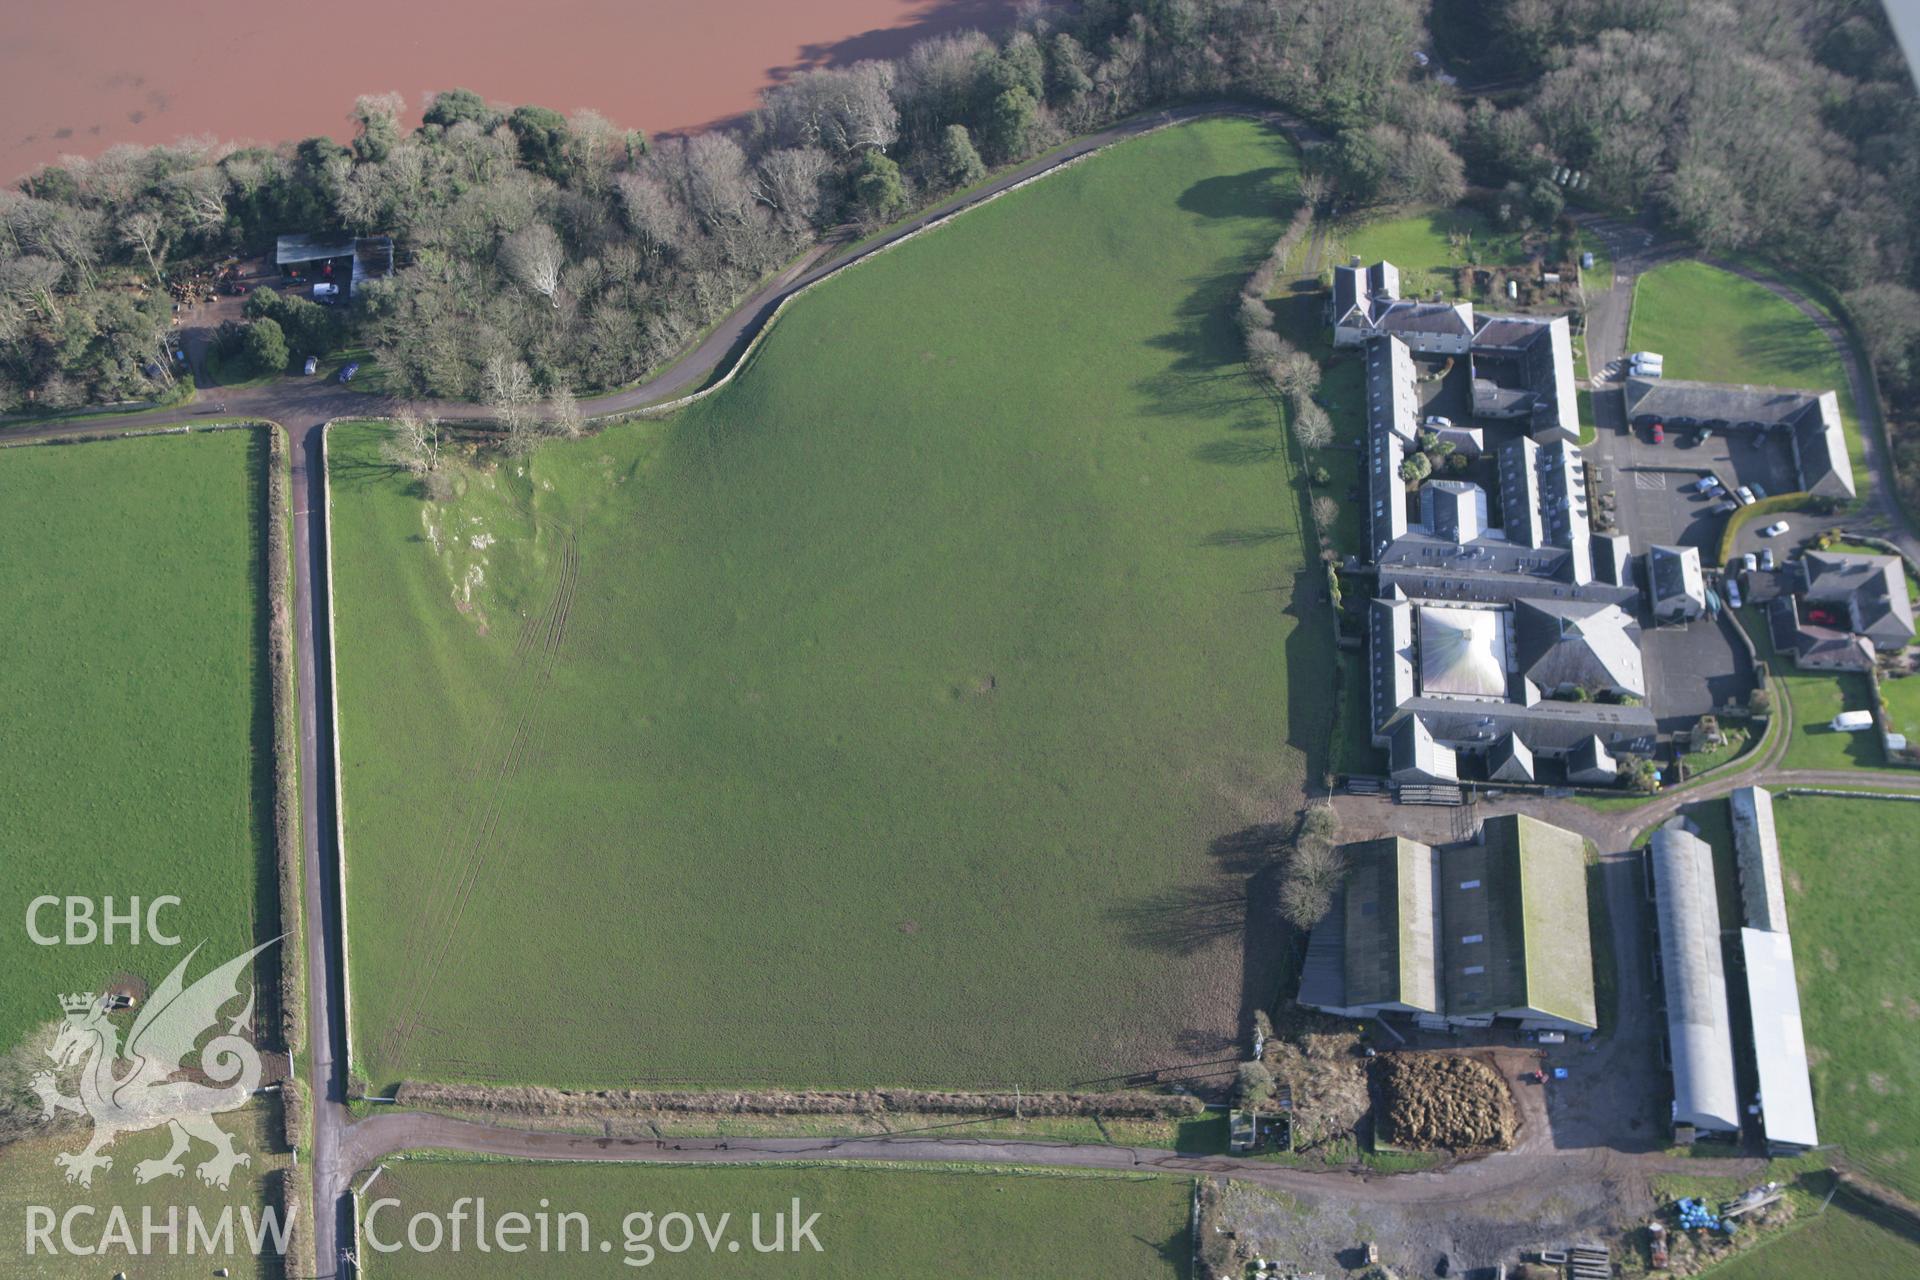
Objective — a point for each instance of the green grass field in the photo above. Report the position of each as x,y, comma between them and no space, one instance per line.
873,1222
1427,246
135,757
1851,901
1851,1238
1817,697
887,717
30,1180
1714,326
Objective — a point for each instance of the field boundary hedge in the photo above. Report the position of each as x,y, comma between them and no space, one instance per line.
529,1100
333,731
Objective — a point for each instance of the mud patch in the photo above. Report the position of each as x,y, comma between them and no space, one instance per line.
1449,1102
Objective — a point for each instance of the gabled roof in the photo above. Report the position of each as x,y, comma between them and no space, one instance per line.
1674,576
1514,908
1510,760
1584,643
1389,924
1873,589
1414,755
1454,509
1589,762
1813,417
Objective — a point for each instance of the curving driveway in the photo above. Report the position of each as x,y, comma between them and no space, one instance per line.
342,1146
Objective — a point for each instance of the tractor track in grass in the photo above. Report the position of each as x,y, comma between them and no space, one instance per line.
525,701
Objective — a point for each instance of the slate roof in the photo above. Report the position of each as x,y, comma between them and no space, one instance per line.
1550,728
1873,590
1455,510
1818,438
1674,577
1590,763
1524,365
1510,760
1588,643
1415,753
1699,1035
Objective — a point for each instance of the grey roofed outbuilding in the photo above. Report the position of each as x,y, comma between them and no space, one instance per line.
1389,936
1872,589
1779,1042
1553,729
1675,581
1763,897
1390,654
1589,763
1513,908
1813,417
1510,760
1455,510
1587,644
1612,559
1414,756
1699,1034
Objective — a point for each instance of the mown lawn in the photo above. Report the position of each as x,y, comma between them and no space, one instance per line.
1852,895
1427,246
876,719
134,759
31,1181
873,1222
1714,326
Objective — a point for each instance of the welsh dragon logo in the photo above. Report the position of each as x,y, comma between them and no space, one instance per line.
147,1092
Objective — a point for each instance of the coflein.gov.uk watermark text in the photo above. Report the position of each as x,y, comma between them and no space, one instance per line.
468,1226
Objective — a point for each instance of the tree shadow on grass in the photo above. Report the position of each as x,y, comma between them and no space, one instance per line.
1792,342
1246,537
1239,453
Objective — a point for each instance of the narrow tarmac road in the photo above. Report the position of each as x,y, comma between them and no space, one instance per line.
341,1147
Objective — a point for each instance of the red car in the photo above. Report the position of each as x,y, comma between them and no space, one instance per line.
1659,434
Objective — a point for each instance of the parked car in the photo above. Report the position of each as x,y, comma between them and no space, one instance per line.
311,367
1758,492
1647,357
346,374
1745,495
1659,434
1750,562
1733,593
1701,436
1775,529
1767,561
1822,617
1704,484
1726,507
1435,420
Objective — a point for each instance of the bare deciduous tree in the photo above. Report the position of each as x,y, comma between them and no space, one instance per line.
563,414
788,181
508,388
1325,512
534,257
144,231
412,444
1311,426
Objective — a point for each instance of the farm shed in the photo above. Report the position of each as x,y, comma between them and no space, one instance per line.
1699,1039
1779,1043
1763,899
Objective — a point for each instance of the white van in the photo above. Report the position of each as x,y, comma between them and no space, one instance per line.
1647,357
1852,721
324,292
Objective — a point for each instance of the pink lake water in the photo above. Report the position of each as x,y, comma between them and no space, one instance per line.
78,76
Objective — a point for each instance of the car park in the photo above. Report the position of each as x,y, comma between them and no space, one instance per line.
1775,529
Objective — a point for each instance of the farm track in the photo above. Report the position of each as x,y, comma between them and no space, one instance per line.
525,701
341,1146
